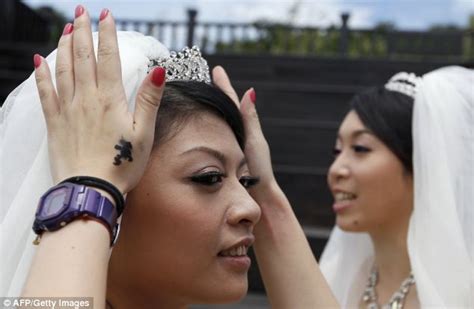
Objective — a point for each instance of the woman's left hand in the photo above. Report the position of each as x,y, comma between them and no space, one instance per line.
257,151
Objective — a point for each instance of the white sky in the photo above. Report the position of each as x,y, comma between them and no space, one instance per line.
406,14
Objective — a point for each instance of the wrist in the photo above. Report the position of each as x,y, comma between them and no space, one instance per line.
268,194
104,185
68,202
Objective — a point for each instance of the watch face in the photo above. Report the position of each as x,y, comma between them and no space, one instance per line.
54,203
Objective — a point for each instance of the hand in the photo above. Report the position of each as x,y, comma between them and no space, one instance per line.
90,130
257,151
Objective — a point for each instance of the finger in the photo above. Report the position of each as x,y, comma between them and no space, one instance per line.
83,52
222,81
109,73
46,91
65,66
249,114
148,100
257,150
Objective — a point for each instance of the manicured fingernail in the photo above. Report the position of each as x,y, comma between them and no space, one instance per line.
68,28
104,14
79,10
37,60
253,96
158,76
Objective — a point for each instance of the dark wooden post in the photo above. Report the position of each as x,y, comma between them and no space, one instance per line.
192,13
344,40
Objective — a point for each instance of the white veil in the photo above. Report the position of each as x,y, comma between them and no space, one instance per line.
24,170
441,230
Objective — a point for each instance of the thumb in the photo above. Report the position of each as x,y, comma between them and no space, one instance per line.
148,100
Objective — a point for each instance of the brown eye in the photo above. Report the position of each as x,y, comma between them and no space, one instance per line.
360,149
249,181
208,179
336,152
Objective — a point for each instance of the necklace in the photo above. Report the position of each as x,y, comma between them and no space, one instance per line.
396,301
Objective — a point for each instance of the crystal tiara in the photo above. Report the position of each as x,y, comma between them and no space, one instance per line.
403,82
186,65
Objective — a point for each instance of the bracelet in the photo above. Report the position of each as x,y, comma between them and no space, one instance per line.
100,184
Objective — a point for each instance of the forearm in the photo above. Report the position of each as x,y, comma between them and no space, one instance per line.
71,262
289,269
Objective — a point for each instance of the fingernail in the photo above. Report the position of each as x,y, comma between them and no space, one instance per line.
104,14
253,96
79,10
158,76
37,60
68,28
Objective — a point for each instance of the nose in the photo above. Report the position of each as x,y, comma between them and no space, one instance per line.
244,211
339,169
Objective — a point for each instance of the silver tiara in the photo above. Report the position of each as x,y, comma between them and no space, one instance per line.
403,82
186,65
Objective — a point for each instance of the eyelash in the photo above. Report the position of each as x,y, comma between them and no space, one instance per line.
208,179
356,148
213,178
249,181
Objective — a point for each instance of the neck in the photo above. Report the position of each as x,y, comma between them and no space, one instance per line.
125,301
121,296
391,258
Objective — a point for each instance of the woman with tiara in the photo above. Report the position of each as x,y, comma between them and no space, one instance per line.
402,181
196,174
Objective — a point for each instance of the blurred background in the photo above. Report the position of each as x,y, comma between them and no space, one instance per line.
305,59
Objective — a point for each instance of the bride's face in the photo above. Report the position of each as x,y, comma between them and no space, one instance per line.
370,186
188,215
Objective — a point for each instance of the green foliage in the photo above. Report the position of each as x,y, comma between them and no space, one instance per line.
281,38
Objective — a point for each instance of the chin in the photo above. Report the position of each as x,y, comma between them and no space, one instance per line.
350,224
226,293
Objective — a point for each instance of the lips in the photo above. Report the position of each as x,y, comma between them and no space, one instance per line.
235,251
344,196
343,200
234,257
240,248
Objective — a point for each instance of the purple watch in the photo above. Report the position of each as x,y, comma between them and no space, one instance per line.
67,202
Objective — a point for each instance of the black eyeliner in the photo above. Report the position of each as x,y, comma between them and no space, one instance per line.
249,181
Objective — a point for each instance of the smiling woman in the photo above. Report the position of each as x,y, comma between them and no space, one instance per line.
402,181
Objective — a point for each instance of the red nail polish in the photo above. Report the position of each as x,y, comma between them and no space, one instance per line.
158,76
253,96
104,14
79,10
68,29
37,60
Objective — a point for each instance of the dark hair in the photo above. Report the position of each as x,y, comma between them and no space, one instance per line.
185,99
388,114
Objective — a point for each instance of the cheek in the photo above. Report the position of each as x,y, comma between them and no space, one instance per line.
183,220
383,191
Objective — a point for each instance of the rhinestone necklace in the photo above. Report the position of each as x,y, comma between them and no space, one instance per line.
396,301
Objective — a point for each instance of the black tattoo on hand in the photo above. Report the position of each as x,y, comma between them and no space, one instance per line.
125,149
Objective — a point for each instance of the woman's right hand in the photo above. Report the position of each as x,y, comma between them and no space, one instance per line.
280,241
90,130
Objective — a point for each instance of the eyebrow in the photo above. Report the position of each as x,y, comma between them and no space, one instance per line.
216,154
357,133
